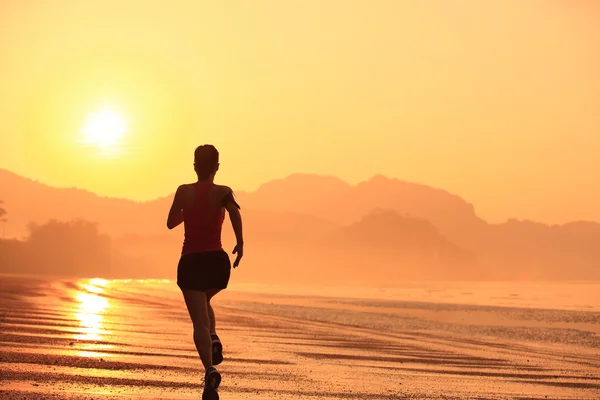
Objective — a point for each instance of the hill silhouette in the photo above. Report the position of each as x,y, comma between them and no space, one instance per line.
331,198
531,250
27,200
307,227
412,243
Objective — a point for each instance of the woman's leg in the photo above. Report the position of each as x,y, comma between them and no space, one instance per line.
211,319
217,346
211,313
197,305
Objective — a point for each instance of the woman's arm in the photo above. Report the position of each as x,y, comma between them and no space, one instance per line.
176,212
236,222
235,217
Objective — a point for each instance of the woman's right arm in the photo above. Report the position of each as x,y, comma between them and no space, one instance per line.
176,212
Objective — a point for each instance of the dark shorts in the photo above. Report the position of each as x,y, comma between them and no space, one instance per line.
204,271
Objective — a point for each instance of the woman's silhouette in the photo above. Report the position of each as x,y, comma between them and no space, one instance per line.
204,268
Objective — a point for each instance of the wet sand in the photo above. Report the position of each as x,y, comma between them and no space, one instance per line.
96,339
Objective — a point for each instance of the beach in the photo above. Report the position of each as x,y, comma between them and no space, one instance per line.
131,339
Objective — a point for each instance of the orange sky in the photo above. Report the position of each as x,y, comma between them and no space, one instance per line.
497,101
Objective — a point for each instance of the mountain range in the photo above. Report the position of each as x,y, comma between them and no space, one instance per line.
310,227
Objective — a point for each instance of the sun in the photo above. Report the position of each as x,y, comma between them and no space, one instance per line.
104,129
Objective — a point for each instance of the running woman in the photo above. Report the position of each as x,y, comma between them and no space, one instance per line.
204,267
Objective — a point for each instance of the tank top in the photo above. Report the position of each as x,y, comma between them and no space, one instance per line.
202,222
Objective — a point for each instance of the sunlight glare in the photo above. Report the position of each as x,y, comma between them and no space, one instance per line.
104,129
90,309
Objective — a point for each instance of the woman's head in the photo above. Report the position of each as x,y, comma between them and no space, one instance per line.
206,161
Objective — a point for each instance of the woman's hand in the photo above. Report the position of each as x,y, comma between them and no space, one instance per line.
239,250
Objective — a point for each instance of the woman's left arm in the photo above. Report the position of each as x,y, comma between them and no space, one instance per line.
176,212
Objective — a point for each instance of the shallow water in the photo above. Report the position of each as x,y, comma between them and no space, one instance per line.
82,339
582,296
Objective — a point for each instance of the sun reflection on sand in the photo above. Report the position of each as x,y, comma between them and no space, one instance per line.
90,309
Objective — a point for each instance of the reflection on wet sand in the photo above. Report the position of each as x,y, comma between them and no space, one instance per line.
91,306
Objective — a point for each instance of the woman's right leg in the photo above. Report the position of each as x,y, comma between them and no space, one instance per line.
210,293
197,305
217,346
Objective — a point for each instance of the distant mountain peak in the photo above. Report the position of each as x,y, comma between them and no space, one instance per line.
306,178
380,178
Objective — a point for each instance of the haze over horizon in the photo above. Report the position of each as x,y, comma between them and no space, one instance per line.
493,101
287,177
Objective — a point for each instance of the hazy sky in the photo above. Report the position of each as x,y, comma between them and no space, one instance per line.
496,101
